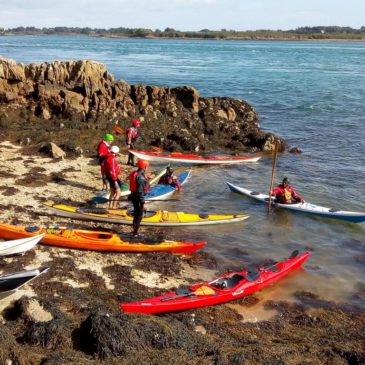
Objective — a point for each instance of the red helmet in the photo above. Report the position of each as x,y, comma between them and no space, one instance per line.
136,123
143,164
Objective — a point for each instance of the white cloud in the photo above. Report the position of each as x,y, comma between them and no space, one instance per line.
182,14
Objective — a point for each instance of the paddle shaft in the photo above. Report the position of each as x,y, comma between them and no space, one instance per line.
273,174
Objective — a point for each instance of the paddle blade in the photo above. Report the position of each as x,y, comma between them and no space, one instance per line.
294,254
118,130
98,200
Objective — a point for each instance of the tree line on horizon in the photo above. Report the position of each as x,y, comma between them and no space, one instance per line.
317,32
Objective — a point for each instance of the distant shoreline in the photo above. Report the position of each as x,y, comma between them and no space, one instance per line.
248,38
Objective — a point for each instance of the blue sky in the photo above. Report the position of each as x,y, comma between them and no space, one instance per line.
183,14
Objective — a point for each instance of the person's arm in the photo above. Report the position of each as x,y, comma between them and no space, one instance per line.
296,196
114,171
129,137
141,183
276,191
177,184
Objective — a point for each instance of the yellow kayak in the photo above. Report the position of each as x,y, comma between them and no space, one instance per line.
162,218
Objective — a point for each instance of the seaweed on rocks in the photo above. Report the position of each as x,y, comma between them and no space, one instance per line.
52,335
67,358
107,336
10,351
161,262
9,190
203,259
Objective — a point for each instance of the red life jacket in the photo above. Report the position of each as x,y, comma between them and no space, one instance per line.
111,167
133,182
131,134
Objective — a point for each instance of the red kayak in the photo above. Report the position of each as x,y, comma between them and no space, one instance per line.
223,289
192,159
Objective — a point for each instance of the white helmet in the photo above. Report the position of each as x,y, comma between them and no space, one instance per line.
114,149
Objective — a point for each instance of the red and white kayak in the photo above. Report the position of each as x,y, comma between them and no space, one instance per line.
192,159
223,289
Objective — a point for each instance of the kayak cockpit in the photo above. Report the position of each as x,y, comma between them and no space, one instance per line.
94,235
227,282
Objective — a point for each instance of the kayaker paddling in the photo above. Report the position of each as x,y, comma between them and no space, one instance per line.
139,186
103,152
170,179
131,135
286,194
112,170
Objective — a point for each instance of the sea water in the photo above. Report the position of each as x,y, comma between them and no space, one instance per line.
310,93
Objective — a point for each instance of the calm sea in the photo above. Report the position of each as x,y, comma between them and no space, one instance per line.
311,93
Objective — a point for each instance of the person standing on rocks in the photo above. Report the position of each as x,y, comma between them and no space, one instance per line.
139,186
131,135
103,153
112,170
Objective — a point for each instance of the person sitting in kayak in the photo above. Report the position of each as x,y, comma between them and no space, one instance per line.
139,186
112,170
131,135
103,153
285,193
170,179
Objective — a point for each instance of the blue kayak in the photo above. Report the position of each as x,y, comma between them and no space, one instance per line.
161,191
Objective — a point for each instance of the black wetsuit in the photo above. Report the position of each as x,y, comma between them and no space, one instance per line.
137,199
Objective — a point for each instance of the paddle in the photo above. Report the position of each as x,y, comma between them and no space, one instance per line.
101,200
273,174
118,130
185,292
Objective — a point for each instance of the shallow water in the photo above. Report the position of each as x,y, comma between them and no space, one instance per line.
311,93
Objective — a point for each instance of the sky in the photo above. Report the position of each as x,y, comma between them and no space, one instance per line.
183,14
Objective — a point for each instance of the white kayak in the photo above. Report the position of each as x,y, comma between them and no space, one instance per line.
19,246
356,217
11,282
193,159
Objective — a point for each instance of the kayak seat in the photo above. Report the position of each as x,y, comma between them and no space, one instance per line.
228,282
32,229
334,210
203,216
255,193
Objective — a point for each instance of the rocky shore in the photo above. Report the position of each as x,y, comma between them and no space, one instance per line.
70,315
78,101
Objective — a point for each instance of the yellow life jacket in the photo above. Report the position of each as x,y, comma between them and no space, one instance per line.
288,195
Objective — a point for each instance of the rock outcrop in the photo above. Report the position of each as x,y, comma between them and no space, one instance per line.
58,98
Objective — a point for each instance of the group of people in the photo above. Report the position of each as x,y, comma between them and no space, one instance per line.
284,193
138,179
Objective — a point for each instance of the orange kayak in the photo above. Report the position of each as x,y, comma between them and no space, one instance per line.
68,237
